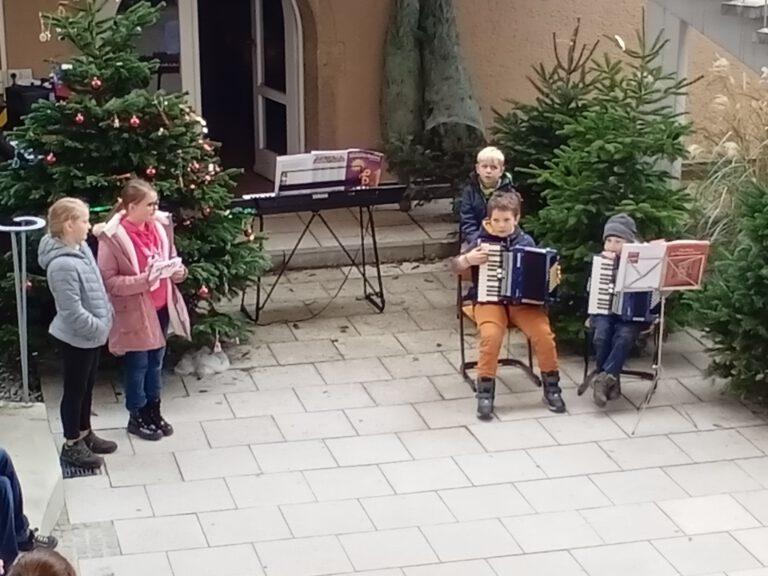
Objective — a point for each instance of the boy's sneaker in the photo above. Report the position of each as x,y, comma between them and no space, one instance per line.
614,391
140,425
78,455
553,395
99,445
600,387
36,540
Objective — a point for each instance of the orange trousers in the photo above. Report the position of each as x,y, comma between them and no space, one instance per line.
492,321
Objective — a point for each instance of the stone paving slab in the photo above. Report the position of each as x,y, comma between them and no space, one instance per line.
348,444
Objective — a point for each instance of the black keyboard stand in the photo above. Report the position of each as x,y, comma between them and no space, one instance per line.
364,201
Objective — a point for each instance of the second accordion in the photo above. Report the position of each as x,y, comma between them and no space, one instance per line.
518,275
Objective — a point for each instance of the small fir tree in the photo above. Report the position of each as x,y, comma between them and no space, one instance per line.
616,159
734,304
112,128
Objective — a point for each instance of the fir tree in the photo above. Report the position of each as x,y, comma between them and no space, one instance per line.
111,129
733,308
616,159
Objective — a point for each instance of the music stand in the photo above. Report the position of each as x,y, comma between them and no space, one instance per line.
682,266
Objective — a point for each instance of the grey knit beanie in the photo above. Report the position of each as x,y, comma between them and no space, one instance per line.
622,226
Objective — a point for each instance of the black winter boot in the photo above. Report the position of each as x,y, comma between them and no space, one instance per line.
153,408
140,424
486,391
553,395
78,455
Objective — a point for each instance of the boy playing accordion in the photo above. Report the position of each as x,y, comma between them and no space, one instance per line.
613,338
493,318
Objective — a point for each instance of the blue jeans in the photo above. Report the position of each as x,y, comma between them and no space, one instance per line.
613,341
142,372
14,527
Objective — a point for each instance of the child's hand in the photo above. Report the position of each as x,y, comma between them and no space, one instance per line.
608,254
179,275
477,256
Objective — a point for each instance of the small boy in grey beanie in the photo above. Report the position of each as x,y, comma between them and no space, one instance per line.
613,338
620,226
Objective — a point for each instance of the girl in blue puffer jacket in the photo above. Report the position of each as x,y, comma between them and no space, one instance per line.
81,326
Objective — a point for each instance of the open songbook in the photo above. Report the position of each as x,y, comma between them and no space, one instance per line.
685,263
665,266
165,268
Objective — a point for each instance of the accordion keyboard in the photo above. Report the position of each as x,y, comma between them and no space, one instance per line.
601,286
491,274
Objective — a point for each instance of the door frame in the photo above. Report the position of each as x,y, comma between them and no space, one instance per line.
190,67
189,38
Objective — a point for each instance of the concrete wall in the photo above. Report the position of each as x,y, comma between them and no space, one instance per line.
343,42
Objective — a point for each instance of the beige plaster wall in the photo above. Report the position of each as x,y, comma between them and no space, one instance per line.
501,40
22,28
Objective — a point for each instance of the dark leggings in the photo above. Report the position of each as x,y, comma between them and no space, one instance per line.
80,368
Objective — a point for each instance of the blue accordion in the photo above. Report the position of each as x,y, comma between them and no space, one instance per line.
519,275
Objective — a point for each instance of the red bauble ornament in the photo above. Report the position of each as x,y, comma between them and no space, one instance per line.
95,83
151,171
134,121
206,211
194,166
28,285
207,178
79,119
50,158
203,292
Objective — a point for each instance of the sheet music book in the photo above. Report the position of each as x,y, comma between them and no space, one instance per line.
685,263
327,171
640,267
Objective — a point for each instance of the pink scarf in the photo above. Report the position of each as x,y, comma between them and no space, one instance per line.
146,242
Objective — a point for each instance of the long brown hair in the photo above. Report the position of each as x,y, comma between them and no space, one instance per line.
42,563
135,190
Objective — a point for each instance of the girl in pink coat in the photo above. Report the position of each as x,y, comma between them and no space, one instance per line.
132,243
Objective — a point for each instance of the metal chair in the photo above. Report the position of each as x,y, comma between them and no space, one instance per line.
464,310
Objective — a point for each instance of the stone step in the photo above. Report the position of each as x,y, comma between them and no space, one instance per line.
26,435
744,8
328,256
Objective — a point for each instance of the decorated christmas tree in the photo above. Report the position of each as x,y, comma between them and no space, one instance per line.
112,128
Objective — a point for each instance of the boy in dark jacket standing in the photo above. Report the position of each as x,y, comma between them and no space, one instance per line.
492,318
488,178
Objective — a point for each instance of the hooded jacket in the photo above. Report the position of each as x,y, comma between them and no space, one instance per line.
137,327
83,310
473,208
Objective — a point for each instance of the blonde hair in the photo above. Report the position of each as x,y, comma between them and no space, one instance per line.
62,211
490,153
135,190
